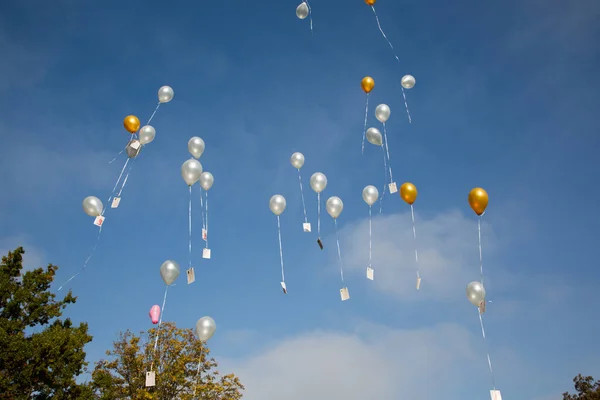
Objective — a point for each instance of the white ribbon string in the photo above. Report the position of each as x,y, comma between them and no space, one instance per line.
120,175
487,350
319,215
302,194
385,173
337,239
397,59
480,252
387,150
126,178
370,237
117,156
87,259
206,216
190,229
412,213
406,106
309,16
162,313
280,249
202,207
365,128
197,376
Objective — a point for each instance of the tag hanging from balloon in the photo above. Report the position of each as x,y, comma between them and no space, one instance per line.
297,161
277,206
370,195
318,183
304,10
367,85
335,206
382,113
408,193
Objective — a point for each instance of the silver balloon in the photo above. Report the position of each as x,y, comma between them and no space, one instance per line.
334,206
147,134
206,180
318,182
297,160
169,271
165,94
191,171
374,136
370,195
133,148
92,206
475,293
382,113
408,81
205,328
196,146
277,204
302,10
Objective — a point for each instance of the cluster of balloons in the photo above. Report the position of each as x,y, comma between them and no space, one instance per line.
191,170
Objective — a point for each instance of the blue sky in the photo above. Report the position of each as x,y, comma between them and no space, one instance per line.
506,98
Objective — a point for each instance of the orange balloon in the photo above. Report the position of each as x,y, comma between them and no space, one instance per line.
367,84
370,2
478,200
408,192
131,123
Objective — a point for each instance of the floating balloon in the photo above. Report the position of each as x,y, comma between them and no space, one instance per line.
297,160
131,124
374,136
206,180
92,206
318,182
408,81
302,10
205,328
147,134
370,2
155,314
370,195
191,171
334,206
133,148
196,146
165,94
169,271
367,84
382,113
408,192
476,293
478,200
277,204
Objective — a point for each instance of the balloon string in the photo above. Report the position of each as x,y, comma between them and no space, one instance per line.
197,376
385,173
126,178
309,16
319,214
302,194
337,239
280,249
487,350
162,312
117,156
412,213
152,116
120,175
406,106
206,216
480,252
87,259
202,207
387,149
370,236
365,128
190,229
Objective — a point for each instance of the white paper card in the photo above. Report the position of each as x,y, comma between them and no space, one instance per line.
150,379
482,307
370,272
344,293
418,283
135,145
115,202
206,253
306,226
393,187
204,234
284,287
495,395
191,276
99,220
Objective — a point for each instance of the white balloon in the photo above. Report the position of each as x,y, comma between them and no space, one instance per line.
297,160
165,94
476,293
318,182
370,195
196,146
92,206
382,113
169,271
205,328
302,10
206,180
147,134
191,171
334,206
408,81
374,136
277,204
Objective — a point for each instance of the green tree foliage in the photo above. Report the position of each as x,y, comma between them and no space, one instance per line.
586,387
41,354
175,363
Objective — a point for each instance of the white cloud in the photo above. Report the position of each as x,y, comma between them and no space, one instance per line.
33,257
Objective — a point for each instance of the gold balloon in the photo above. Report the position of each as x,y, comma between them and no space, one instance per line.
131,123
367,82
370,2
478,200
408,192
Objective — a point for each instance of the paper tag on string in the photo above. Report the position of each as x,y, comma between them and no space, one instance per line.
284,287
482,307
206,253
306,226
115,202
204,234
191,276
150,379
135,144
393,187
370,273
495,395
418,283
344,294
320,243
99,220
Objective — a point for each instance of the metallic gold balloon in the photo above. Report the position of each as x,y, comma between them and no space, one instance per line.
367,82
131,123
408,192
370,2
478,200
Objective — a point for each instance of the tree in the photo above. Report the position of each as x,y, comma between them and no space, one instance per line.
41,364
586,389
181,364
